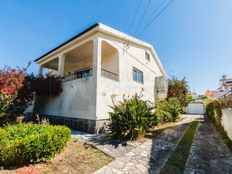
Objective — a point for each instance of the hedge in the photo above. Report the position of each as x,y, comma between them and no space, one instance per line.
22,143
214,112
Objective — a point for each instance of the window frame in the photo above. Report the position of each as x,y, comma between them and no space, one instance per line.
147,56
137,72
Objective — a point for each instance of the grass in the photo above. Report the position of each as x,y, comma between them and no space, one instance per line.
177,160
77,157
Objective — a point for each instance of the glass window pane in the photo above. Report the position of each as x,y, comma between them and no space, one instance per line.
134,75
140,77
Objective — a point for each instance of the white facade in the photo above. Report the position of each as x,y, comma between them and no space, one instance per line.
103,60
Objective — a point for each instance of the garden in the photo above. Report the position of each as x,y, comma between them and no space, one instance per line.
132,118
33,145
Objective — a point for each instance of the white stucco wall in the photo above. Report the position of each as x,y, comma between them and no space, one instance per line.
90,98
227,121
77,100
133,56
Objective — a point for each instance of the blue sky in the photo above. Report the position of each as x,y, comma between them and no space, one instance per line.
193,38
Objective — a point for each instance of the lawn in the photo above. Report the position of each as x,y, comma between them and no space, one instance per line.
176,162
77,157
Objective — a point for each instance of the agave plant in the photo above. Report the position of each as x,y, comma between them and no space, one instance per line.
131,118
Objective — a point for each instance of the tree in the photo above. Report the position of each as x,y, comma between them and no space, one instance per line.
180,90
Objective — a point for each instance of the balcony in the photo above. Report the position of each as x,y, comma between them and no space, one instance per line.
109,75
78,63
78,75
88,73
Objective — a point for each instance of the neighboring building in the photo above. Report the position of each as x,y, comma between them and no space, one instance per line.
97,65
214,93
225,88
225,84
196,106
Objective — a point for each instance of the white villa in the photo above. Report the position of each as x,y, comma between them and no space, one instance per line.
96,65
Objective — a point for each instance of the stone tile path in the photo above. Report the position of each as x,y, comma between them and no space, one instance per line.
208,154
114,148
117,148
148,157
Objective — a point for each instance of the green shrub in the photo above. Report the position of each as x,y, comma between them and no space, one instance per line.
161,112
168,110
131,118
28,143
214,112
174,108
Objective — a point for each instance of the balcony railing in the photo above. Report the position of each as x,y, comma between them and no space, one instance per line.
109,75
87,73
78,75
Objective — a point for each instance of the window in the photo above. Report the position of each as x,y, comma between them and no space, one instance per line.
147,55
137,75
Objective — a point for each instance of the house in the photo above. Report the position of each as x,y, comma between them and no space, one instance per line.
197,105
225,84
96,65
224,89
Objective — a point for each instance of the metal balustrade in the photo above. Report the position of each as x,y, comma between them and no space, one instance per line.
89,72
109,75
77,75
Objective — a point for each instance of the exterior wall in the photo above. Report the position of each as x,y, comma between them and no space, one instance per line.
110,62
133,57
227,120
76,101
89,98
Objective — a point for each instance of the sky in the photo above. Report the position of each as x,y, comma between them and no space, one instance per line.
193,38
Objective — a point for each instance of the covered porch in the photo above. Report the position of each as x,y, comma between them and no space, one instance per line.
92,58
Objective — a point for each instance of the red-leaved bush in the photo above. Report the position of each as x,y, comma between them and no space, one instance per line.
11,81
17,90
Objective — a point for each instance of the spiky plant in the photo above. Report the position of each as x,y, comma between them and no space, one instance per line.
131,118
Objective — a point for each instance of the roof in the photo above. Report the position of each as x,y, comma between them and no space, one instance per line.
73,38
111,31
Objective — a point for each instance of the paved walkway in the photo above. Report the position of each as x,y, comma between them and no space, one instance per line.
150,156
208,154
113,148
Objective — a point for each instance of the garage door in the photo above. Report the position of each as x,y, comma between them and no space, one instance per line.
196,108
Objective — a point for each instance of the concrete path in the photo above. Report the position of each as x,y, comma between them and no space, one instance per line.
208,154
150,156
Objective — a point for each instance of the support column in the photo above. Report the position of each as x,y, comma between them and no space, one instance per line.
97,57
97,73
40,70
61,61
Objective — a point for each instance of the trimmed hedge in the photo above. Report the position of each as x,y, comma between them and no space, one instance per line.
29,143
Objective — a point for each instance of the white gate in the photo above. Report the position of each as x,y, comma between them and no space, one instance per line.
196,108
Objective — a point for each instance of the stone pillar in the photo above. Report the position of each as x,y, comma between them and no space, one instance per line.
61,62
